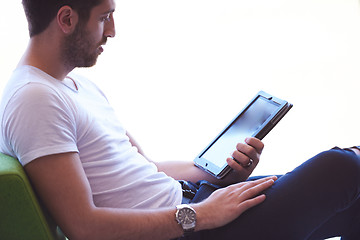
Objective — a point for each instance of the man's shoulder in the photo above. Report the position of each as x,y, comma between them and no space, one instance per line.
24,76
27,84
29,90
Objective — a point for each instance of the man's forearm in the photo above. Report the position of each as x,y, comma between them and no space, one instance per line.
219,209
109,223
186,170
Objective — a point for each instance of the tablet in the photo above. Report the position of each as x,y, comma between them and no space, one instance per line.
258,117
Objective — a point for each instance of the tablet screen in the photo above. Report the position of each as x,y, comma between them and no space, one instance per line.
246,125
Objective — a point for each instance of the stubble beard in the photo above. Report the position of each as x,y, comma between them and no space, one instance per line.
78,49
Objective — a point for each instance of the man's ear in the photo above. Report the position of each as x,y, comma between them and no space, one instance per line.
67,19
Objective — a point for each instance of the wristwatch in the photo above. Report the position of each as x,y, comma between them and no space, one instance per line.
186,217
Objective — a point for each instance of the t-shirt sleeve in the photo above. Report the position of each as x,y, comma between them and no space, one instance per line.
39,122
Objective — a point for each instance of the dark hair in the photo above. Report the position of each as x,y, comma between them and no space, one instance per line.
40,13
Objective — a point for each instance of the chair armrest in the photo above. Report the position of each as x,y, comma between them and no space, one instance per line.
21,215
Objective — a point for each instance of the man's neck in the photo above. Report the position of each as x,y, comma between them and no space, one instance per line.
45,55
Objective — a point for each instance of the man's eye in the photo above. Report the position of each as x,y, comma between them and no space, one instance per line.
106,18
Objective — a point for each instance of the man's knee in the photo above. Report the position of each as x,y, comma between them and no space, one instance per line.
340,164
342,158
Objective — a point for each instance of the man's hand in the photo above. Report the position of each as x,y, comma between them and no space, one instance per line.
226,204
356,150
246,157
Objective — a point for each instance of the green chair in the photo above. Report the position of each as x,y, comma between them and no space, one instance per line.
21,215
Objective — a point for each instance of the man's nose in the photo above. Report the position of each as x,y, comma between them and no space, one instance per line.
109,30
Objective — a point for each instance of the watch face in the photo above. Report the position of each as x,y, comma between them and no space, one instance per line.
186,216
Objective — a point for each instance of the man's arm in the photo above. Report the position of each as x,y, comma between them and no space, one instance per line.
186,170
61,183
251,149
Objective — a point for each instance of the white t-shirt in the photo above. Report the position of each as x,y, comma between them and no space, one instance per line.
40,116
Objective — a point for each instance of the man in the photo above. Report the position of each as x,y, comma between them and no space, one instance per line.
93,177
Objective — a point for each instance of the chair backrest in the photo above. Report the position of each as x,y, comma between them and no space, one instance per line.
21,215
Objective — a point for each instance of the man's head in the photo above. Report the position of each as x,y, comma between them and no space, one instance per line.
75,28
83,45
40,13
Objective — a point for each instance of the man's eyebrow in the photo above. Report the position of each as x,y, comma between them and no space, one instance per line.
107,12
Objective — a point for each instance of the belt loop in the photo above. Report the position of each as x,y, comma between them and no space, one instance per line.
189,190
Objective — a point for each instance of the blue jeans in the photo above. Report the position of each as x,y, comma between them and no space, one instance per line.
317,200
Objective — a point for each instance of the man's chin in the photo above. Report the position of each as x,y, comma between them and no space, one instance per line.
88,64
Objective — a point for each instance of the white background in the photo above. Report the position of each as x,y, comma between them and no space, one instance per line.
178,71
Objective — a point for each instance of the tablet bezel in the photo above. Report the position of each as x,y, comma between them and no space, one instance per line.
270,122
